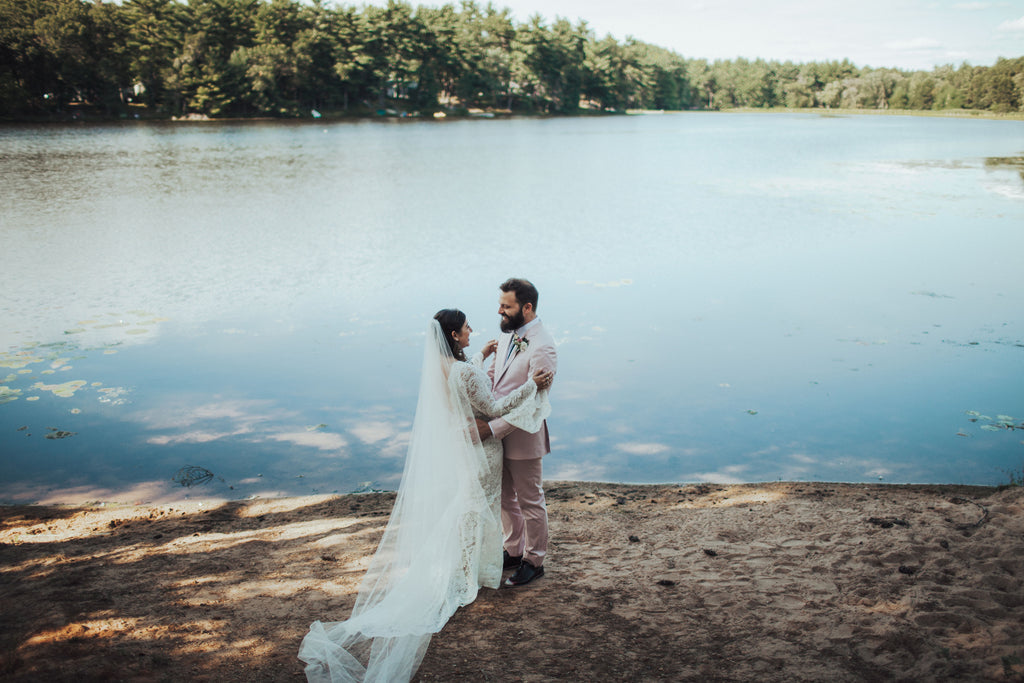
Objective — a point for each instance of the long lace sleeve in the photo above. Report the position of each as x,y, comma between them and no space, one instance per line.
525,408
478,360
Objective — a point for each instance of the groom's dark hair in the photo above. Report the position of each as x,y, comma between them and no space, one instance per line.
525,292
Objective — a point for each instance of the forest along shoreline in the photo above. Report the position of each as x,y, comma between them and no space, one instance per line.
288,59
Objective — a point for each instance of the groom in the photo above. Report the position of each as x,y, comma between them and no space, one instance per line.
525,348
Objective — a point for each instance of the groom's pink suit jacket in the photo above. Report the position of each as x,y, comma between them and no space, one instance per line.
506,377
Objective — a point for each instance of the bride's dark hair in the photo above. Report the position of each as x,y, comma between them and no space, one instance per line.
452,320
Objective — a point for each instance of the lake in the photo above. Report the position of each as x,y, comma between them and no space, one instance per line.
736,297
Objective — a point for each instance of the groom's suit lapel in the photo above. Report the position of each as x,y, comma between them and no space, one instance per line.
504,356
503,350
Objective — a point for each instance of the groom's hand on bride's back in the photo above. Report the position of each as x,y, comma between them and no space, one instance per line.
483,429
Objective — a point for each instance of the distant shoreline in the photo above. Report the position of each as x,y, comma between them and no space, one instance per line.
504,114
942,113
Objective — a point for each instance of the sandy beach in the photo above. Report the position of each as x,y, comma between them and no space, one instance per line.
765,582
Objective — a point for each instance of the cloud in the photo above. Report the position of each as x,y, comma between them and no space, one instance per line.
396,446
579,472
914,44
623,282
957,56
721,477
1011,26
228,419
372,432
804,458
377,426
196,436
325,441
243,412
642,448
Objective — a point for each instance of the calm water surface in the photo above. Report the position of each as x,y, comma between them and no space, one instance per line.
736,297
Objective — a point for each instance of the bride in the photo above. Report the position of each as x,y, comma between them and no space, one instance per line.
443,540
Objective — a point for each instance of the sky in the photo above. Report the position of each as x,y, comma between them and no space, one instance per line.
905,34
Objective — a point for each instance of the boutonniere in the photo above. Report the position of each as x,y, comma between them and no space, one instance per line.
519,342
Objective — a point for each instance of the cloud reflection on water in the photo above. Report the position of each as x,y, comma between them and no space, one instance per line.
643,448
727,475
769,256
253,421
578,471
373,432
323,441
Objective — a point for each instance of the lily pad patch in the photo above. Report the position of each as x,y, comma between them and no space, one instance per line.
998,423
65,390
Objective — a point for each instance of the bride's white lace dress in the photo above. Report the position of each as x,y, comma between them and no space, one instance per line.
443,540
485,551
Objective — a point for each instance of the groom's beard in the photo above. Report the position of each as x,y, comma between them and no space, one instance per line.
512,323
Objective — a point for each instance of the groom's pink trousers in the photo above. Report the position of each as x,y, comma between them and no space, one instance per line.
524,515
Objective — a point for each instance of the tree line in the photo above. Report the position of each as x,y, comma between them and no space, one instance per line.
289,58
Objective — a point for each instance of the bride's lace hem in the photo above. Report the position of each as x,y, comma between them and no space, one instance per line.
333,652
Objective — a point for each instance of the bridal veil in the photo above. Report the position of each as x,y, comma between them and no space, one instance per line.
425,566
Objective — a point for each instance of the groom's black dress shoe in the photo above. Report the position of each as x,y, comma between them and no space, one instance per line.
525,574
510,561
